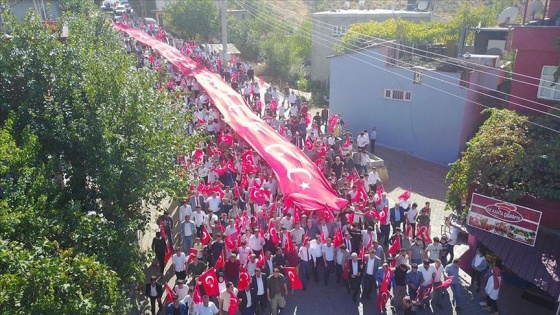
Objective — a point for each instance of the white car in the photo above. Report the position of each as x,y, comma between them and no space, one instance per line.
120,10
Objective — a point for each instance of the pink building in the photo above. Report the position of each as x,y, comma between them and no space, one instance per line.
538,57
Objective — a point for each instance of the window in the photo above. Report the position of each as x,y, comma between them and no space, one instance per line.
338,30
548,89
392,56
397,95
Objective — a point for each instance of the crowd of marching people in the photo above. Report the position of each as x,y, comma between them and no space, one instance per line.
237,247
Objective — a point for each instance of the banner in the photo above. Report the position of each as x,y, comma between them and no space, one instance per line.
299,179
505,219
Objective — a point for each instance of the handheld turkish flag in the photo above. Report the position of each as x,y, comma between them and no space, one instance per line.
308,143
231,241
360,194
190,258
384,294
220,263
405,195
395,247
295,282
350,217
424,233
169,294
261,260
244,279
226,139
198,156
408,231
445,284
346,270
168,254
296,215
221,227
372,213
233,304
206,238
197,296
424,292
338,237
289,246
273,234
327,215
209,281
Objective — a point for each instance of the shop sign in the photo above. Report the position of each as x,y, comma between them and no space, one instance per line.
505,219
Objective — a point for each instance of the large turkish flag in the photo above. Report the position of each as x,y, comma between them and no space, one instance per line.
299,179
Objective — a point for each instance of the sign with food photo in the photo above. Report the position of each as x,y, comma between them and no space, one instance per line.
505,219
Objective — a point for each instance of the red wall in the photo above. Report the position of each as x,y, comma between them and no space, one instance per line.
535,49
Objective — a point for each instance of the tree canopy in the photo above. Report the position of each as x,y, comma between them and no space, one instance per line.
193,18
411,33
86,139
508,158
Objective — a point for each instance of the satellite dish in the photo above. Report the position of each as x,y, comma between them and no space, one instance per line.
346,5
423,5
508,15
362,4
535,8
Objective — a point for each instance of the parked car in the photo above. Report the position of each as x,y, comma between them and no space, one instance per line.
127,6
120,10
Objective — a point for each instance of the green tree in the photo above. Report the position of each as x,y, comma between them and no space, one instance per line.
193,18
507,158
81,130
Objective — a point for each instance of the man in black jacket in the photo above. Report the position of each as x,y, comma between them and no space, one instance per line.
154,291
246,301
258,290
160,248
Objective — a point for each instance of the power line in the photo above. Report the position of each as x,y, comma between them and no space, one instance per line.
400,75
327,39
478,66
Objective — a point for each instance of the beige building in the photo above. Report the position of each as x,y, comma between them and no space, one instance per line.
329,26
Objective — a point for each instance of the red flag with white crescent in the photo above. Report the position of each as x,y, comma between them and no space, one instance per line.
197,296
405,195
261,260
384,294
424,233
206,238
273,234
309,143
209,280
231,241
361,194
226,139
244,279
295,282
301,180
395,247
169,293
221,262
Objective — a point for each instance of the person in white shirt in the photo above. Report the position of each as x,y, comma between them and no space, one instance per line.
371,263
252,264
367,235
179,263
256,243
373,179
315,247
287,221
328,254
199,219
305,264
181,289
243,253
206,307
428,272
362,141
214,202
437,282
185,209
492,290
298,234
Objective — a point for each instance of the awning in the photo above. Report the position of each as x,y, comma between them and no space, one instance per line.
539,265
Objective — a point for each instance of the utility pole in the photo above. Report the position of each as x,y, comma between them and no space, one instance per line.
223,13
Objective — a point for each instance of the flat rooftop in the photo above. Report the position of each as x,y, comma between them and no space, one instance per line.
376,12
